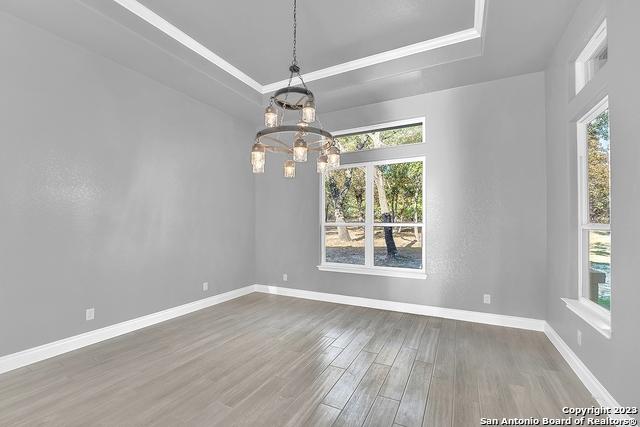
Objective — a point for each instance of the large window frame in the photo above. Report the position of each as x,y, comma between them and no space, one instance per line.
385,126
369,224
597,316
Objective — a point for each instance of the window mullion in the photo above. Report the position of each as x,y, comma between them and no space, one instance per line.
322,221
368,228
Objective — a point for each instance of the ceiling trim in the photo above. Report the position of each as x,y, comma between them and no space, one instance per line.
181,37
189,42
389,55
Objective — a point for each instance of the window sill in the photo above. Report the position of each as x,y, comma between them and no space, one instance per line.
600,321
376,271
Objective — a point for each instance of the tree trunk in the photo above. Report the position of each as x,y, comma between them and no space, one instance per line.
384,204
337,196
343,233
415,216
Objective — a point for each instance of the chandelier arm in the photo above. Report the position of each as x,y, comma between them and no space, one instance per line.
273,149
302,80
292,128
300,100
277,141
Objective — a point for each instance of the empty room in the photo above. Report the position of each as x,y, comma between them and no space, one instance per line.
409,213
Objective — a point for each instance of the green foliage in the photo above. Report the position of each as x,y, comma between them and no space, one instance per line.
390,137
598,169
345,195
403,188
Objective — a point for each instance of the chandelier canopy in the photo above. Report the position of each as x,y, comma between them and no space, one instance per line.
296,135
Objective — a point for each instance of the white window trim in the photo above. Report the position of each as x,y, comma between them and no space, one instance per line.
368,267
590,312
383,126
594,44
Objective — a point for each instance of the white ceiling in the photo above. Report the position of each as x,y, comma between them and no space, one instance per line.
256,36
233,49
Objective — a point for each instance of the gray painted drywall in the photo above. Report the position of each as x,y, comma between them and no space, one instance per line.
486,213
114,192
613,361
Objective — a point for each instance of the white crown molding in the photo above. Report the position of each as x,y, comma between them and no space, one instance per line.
36,354
189,42
424,310
379,58
181,37
597,390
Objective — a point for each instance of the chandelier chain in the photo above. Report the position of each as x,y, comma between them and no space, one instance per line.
295,31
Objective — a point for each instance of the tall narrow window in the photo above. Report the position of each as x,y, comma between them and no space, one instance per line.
592,58
373,218
595,207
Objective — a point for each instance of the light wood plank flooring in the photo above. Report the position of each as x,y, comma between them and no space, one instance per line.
265,360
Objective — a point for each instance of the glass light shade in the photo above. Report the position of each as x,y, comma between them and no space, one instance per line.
333,157
300,150
258,153
258,167
309,112
289,169
270,117
322,163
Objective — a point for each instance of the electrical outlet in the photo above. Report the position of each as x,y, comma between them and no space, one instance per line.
579,337
90,313
487,299
285,277
205,286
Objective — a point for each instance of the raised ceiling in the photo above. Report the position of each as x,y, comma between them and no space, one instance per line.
256,37
230,54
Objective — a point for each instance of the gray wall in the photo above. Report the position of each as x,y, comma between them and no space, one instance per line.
486,203
614,361
114,192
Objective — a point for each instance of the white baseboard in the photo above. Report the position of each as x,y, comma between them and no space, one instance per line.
36,354
426,310
597,390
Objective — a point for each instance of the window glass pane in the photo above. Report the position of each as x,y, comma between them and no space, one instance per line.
344,195
598,149
400,135
398,247
600,267
401,199
344,245
597,61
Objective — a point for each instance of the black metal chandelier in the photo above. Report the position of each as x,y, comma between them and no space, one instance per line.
294,140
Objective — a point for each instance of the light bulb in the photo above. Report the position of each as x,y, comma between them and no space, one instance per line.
333,157
270,117
309,112
258,153
258,167
300,150
289,169
322,163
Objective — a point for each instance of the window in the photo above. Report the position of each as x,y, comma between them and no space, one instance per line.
594,170
592,58
373,218
380,136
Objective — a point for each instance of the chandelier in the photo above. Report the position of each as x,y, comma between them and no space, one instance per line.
281,135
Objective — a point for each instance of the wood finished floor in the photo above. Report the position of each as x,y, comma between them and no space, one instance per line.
265,360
